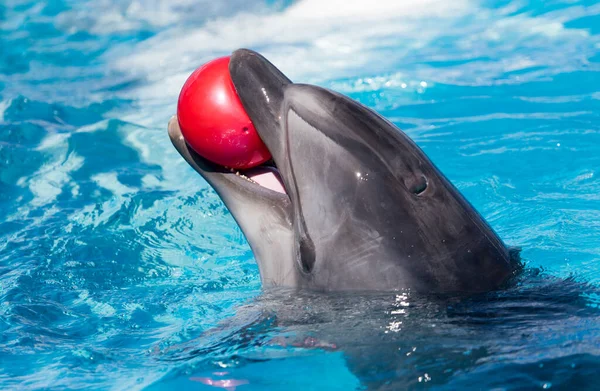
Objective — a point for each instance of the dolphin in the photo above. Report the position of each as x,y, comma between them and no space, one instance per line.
360,206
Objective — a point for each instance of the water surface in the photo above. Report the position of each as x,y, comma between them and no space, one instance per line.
121,269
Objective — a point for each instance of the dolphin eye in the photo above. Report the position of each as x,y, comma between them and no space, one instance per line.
419,186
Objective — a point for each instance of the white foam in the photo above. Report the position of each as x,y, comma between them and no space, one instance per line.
367,10
53,141
4,104
312,39
49,181
110,182
110,16
317,41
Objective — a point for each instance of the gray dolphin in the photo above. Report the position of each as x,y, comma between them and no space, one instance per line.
363,208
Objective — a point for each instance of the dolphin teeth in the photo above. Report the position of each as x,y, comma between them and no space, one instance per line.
245,177
237,173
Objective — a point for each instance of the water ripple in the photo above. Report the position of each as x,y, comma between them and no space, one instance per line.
121,268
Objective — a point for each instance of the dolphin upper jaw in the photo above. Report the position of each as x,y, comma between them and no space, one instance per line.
222,179
261,88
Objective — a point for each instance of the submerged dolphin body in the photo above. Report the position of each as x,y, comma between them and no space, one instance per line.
364,208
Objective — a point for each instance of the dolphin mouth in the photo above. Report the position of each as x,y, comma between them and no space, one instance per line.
260,87
265,177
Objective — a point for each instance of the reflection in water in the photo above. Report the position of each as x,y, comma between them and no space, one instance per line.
403,339
218,382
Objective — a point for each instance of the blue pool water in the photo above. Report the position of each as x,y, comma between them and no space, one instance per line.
121,269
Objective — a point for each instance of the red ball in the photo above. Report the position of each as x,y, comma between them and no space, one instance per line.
213,121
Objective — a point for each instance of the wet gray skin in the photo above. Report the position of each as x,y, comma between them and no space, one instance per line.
365,207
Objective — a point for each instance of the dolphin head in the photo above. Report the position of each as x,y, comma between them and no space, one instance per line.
362,206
